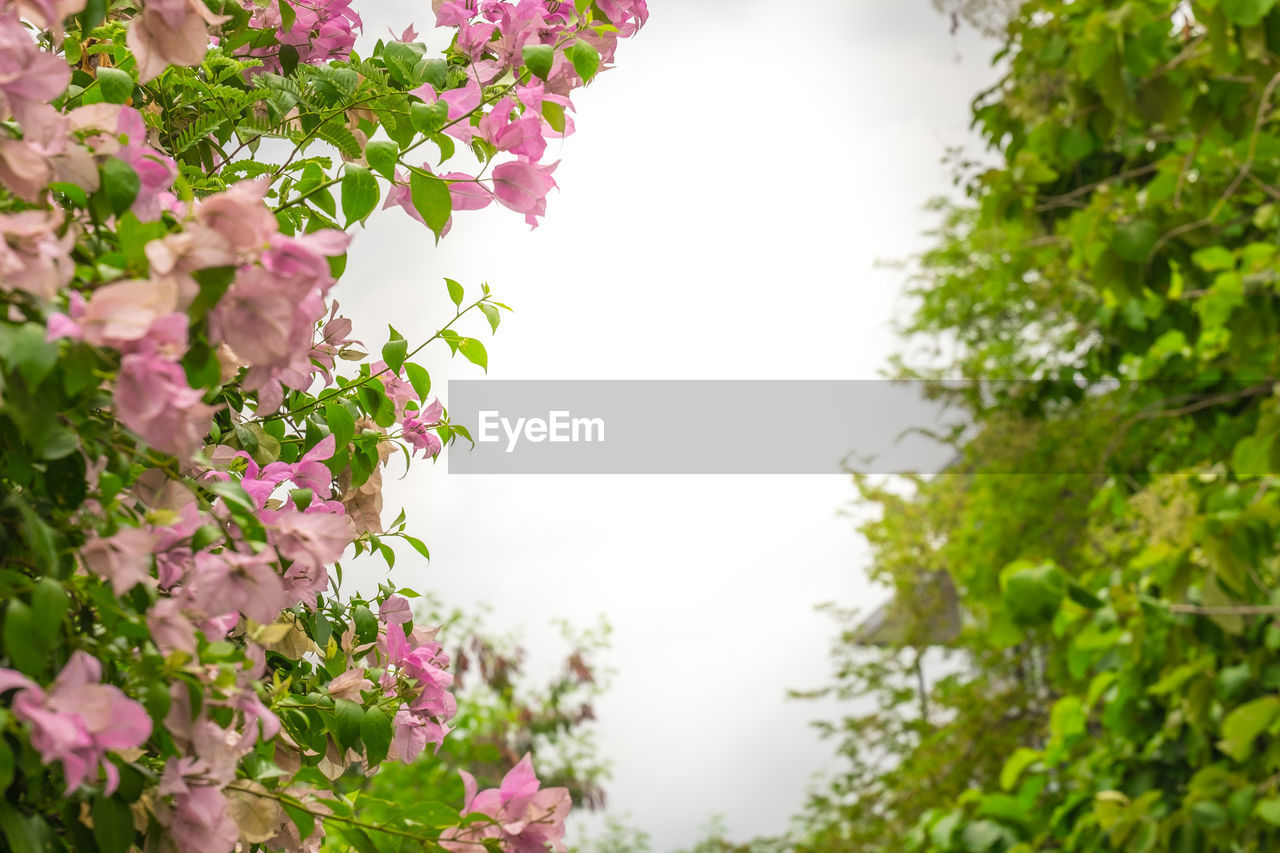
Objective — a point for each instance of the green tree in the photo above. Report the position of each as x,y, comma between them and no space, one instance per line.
1110,527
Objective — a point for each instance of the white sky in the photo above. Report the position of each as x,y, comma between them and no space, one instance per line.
721,210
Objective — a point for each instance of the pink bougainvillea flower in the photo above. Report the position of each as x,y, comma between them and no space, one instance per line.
78,720
523,186
199,819
33,258
123,558
526,819
395,610
154,400
312,540
349,684
49,14
169,32
232,582
240,217
416,429
156,172
29,76
466,192
122,313
521,136
322,30
461,102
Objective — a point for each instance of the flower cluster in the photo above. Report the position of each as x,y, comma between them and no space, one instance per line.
187,464
321,30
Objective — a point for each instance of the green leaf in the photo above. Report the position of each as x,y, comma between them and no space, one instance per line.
360,193
19,632
289,59
287,17
20,831
455,291
366,624
1032,593
420,379
348,716
394,352
112,825
1251,457
25,348
381,156
1245,723
432,814
116,85
474,352
375,731
585,59
1021,759
554,114
49,604
1268,810
431,199
491,314
428,118
6,766
302,819
359,840
539,58
120,184
1247,13
340,422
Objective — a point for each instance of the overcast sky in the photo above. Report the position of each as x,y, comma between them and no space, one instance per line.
721,210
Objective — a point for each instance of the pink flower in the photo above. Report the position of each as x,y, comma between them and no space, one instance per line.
321,30
312,538
200,819
169,32
231,582
240,217
522,136
29,76
523,186
156,171
33,258
466,192
411,733
395,610
416,429
49,14
461,103
123,558
154,400
349,684
78,721
526,819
